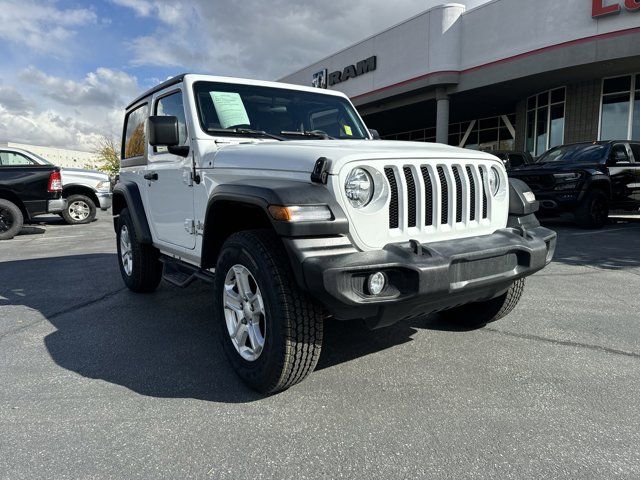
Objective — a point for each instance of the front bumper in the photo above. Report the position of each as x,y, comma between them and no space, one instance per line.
421,278
57,205
105,199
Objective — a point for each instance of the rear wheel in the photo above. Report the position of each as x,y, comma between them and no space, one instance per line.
593,212
80,209
11,220
140,266
271,331
478,314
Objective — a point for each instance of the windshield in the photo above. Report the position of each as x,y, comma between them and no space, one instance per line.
584,153
288,114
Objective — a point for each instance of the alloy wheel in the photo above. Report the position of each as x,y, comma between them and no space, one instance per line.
244,312
126,253
79,210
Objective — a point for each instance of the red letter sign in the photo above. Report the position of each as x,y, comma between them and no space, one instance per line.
600,9
632,4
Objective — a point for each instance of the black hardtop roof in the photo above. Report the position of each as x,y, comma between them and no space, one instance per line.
157,88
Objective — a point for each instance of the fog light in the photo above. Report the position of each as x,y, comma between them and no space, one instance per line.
376,283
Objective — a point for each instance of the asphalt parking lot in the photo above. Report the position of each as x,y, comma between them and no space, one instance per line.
98,382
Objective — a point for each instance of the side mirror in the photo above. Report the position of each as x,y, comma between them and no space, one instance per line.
374,134
163,131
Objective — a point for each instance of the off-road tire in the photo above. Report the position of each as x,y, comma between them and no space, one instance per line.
478,314
294,322
12,220
146,272
67,215
593,211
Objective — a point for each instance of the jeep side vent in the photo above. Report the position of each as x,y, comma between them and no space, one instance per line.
484,195
393,205
444,196
428,197
472,194
456,177
411,196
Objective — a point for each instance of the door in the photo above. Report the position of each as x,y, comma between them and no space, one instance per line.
169,184
624,185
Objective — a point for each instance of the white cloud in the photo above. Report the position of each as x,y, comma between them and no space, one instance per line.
259,39
102,88
66,113
41,26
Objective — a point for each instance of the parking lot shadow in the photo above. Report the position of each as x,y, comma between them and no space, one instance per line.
613,247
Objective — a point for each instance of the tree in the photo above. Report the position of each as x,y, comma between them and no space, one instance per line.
108,155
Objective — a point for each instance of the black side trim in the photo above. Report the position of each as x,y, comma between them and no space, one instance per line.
265,192
129,192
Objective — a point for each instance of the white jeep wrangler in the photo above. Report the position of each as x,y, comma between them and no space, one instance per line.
281,198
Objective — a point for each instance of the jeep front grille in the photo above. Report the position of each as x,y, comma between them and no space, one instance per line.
460,188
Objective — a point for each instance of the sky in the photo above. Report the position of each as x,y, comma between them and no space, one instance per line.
68,68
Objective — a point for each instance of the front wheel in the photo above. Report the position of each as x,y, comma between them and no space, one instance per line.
80,209
271,331
478,314
140,266
11,220
593,212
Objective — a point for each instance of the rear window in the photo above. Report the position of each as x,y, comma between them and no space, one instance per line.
134,138
14,159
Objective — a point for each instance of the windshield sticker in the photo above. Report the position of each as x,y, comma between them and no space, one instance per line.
348,131
230,109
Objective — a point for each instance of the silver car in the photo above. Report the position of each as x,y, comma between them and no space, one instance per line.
84,190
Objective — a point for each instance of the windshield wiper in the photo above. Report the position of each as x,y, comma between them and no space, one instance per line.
246,131
309,133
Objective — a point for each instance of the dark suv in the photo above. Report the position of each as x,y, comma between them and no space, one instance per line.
586,179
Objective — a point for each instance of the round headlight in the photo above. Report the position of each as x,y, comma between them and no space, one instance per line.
359,187
494,181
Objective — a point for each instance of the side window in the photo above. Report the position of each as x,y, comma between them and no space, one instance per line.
14,159
635,148
619,153
135,139
516,160
172,105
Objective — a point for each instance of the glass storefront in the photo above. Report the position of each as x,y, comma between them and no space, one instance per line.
494,133
545,121
620,117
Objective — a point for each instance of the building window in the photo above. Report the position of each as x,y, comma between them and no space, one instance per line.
620,117
545,120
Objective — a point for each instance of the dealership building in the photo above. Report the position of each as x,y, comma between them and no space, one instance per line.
509,74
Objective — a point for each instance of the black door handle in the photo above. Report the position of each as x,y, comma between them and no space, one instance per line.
152,176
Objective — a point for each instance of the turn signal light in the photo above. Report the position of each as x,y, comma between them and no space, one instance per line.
308,213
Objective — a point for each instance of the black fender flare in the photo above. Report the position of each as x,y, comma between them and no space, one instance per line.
260,194
265,192
127,195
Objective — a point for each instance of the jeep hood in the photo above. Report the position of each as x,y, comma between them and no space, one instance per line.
301,156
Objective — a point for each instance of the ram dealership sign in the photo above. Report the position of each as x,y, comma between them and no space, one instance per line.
324,79
610,7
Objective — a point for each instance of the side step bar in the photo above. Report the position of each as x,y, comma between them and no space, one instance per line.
182,274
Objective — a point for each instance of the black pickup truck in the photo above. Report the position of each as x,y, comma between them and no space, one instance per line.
26,190
586,179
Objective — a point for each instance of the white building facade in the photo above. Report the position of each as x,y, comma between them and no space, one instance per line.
509,74
60,156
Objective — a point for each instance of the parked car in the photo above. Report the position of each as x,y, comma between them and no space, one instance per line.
26,190
586,179
513,158
84,190
303,215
